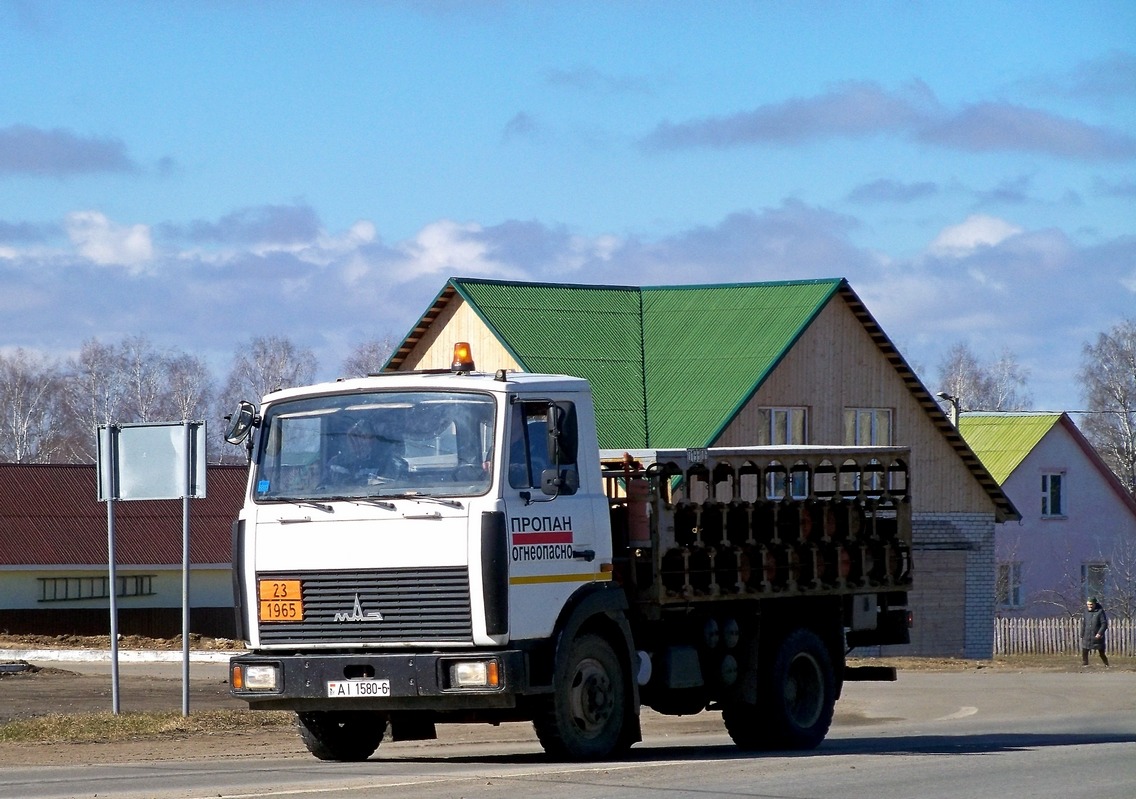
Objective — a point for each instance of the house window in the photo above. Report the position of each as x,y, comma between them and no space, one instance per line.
1052,501
62,589
1093,576
1008,588
781,427
868,427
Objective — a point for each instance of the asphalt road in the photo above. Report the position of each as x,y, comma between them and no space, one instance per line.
953,735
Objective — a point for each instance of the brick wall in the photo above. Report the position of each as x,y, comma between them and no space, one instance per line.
953,594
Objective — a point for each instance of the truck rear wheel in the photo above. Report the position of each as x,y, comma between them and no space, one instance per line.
797,699
346,735
584,717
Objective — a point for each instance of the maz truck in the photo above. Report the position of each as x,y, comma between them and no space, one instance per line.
441,546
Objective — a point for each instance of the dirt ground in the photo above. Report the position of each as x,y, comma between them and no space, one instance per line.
59,690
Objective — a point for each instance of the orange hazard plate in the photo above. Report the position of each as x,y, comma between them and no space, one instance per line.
280,600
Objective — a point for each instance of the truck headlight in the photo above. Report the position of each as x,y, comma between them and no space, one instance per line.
475,674
245,677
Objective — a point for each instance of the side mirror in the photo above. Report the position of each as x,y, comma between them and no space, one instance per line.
554,482
241,422
561,435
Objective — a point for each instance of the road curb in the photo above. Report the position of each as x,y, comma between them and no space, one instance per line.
124,655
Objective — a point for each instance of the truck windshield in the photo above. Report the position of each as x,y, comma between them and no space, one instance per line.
425,443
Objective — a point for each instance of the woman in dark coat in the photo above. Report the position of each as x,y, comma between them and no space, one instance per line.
1094,626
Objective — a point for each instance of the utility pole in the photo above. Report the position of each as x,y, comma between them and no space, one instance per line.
955,406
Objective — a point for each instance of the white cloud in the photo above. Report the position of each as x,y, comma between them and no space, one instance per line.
976,231
100,240
984,281
446,247
362,232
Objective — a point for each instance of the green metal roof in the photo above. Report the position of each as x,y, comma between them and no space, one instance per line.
670,366
726,340
1003,440
583,331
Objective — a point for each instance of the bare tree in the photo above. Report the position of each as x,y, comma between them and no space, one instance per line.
1008,383
1068,594
266,364
189,387
143,371
369,357
1122,579
127,383
996,386
29,404
1108,377
94,393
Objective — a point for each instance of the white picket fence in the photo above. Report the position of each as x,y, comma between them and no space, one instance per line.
1057,636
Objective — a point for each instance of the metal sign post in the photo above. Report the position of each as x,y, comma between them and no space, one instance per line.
107,440
189,455
151,461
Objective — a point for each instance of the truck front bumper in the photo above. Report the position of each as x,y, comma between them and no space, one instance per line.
380,681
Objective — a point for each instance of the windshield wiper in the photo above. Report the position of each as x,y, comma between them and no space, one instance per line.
305,502
418,497
382,503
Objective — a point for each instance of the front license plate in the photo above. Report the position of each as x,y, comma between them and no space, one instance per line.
343,689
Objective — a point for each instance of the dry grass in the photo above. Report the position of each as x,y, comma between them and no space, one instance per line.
12,641
108,727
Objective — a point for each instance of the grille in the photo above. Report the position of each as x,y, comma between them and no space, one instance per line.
416,605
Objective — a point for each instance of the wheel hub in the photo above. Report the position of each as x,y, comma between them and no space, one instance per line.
591,697
804,692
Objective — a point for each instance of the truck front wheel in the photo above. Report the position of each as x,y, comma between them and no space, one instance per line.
583,719
797,698
346,735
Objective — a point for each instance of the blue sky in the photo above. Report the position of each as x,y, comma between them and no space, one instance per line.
203,172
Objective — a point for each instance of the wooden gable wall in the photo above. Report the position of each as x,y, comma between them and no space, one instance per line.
836,365
458,322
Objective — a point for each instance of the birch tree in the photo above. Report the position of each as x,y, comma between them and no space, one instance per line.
1108,380
369,357
30,407
265,364
94,393
999,385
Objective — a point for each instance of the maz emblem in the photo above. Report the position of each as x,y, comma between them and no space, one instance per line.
357,614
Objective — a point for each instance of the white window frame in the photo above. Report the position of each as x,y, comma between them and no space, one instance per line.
1053,492
778,426
878,422
1008,585
1094,578
796,420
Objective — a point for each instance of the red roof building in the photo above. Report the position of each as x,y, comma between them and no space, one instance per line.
54,571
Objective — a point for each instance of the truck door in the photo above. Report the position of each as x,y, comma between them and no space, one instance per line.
551,546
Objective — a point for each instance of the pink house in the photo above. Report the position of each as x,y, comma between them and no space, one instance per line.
1077,533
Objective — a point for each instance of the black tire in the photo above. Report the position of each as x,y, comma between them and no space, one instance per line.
797,699
584,717
347,736
745,725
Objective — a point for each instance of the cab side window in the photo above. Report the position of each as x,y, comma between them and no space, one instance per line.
528,441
